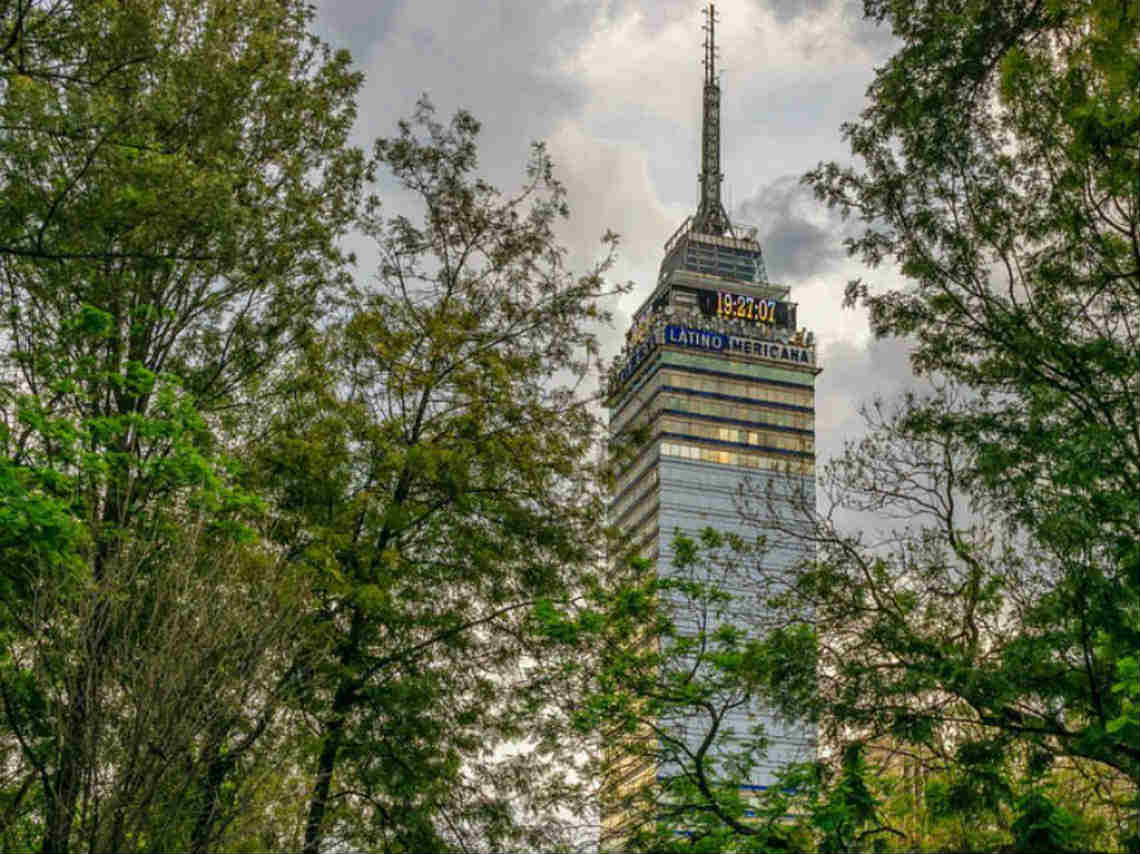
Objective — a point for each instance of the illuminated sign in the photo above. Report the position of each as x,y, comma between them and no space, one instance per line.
636,356
771,312
718,342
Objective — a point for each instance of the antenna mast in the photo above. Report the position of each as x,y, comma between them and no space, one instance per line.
711,217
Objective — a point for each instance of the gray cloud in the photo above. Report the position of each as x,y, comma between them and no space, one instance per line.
800,236
789,10
501,61
856,27
875,38
655,16
853,375
355,25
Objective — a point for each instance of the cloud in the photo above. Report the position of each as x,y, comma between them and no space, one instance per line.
790,10
651,59
623,77
857,30
876,39
355,25
787,84
614,86
609,186
501,61
853,375
800,236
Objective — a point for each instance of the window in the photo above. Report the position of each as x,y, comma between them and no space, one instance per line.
766,438
751,389
684,451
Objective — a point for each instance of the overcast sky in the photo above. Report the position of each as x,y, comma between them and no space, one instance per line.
614,89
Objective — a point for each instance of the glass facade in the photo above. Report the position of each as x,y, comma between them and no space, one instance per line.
705,421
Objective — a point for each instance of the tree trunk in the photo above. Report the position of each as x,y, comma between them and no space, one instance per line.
334,736
326,764
219,766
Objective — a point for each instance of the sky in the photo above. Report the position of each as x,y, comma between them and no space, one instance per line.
614,89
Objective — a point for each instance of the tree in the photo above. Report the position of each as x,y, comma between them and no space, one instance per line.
932,627
431,467
1001,176
182,168
1000,170
175,178
171,648
922,615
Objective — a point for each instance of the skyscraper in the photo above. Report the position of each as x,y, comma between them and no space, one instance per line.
718,380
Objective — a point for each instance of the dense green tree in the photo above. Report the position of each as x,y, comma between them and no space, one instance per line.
1001,174
179,166
938,635
431,466
329,643
1000,171
171,647
175,177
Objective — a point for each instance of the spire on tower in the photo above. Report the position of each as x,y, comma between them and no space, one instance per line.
711,217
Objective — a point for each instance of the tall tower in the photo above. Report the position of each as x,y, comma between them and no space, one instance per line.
717,380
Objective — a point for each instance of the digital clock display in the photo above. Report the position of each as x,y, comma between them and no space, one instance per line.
728,305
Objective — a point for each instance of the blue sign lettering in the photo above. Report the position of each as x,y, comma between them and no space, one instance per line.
718,342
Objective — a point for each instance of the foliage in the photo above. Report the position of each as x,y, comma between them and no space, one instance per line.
1000,170
1041,825
1127,725
175,177
179,166
923,627
1001,174
659,690
960,788
162,683
429,466
326,645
